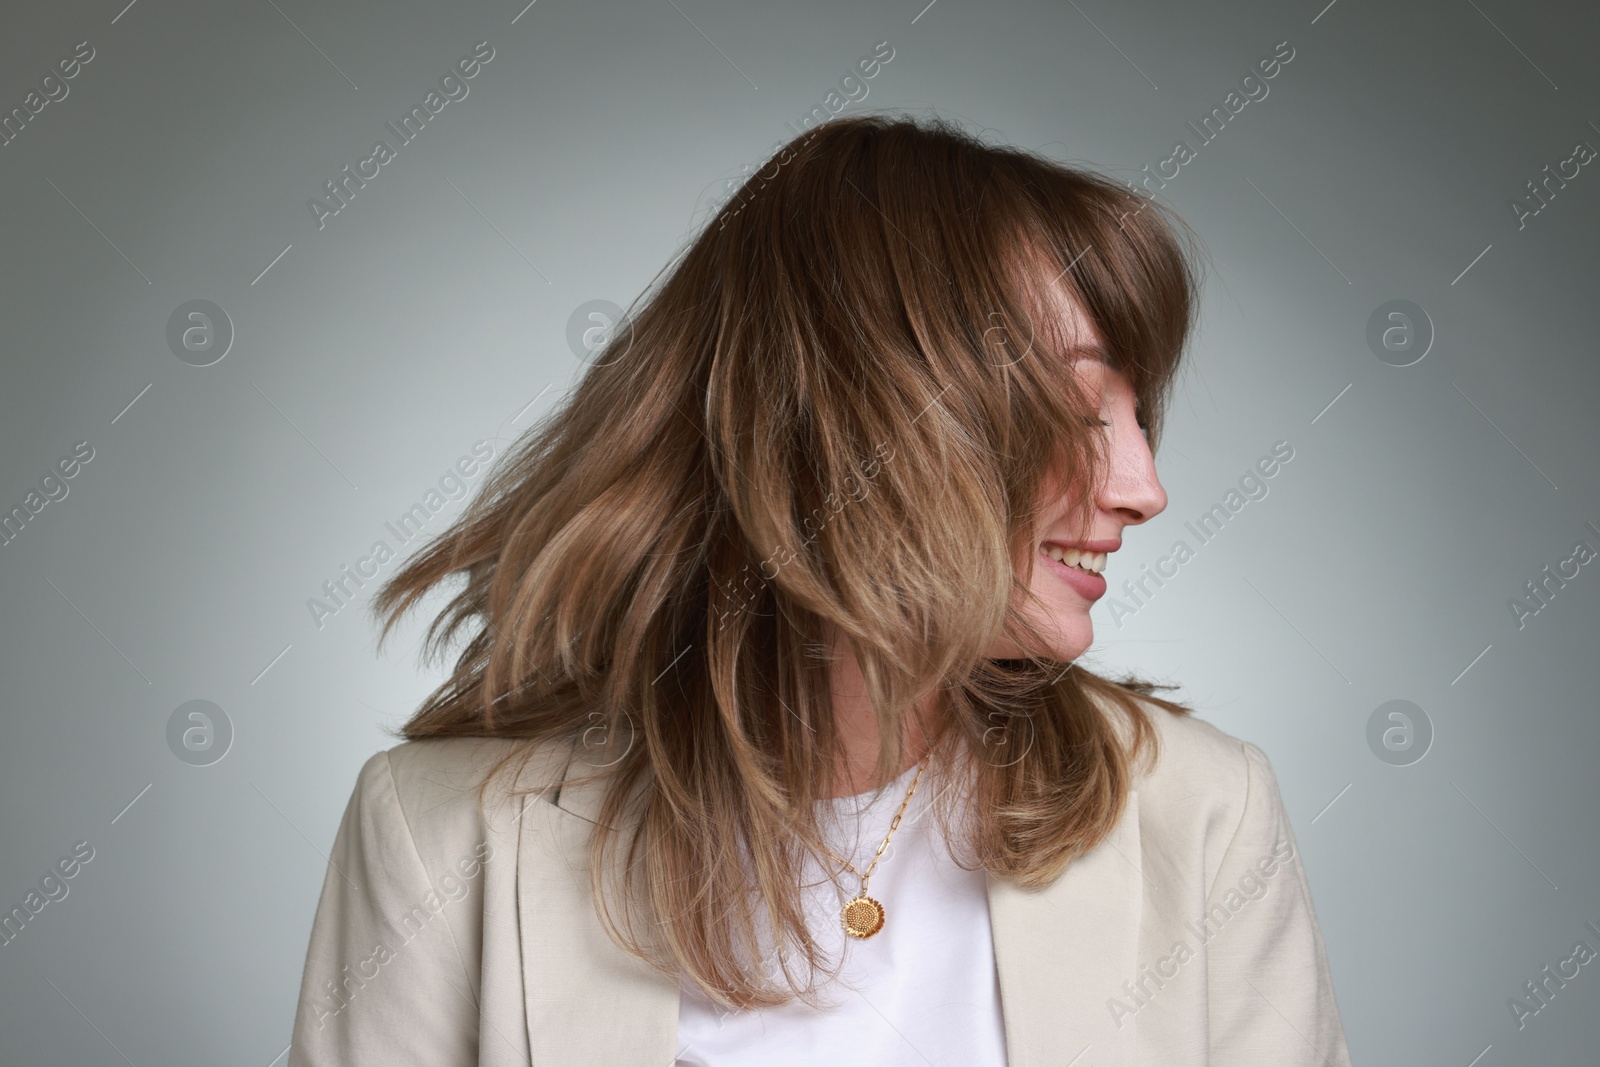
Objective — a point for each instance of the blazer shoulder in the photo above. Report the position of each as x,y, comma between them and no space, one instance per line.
1206,787
441,787
1195,757
422,863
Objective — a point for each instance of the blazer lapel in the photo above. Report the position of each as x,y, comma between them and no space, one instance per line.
589,1003
1062,952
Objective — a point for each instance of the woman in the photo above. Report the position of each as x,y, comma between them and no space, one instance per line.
769,745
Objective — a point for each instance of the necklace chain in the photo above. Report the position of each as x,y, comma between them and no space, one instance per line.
894,825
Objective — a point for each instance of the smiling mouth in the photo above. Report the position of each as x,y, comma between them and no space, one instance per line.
1086,561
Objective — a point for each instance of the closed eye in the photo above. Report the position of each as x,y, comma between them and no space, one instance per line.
1144,427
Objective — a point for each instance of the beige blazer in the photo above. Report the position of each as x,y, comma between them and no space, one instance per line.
449,936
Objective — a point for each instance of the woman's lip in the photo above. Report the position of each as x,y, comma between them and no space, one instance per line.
1089,586
1107,544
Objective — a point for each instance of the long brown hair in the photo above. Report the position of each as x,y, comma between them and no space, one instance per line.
834,415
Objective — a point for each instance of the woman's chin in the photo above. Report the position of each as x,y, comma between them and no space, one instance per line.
1072,638
1067,636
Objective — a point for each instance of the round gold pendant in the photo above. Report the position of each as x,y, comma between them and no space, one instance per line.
862,916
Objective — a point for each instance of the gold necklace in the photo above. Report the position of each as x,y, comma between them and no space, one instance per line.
863,916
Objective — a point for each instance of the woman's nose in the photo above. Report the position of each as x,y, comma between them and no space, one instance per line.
1132,488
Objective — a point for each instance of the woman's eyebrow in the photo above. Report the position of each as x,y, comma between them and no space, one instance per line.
1095,352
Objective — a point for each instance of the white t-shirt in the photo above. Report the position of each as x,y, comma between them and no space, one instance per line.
923,990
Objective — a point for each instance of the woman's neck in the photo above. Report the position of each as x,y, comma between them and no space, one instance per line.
857,726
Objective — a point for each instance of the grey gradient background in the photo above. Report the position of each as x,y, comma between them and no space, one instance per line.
433,313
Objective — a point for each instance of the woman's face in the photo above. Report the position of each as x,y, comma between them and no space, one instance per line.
1065,589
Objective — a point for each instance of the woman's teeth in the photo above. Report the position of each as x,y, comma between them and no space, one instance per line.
1093,562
